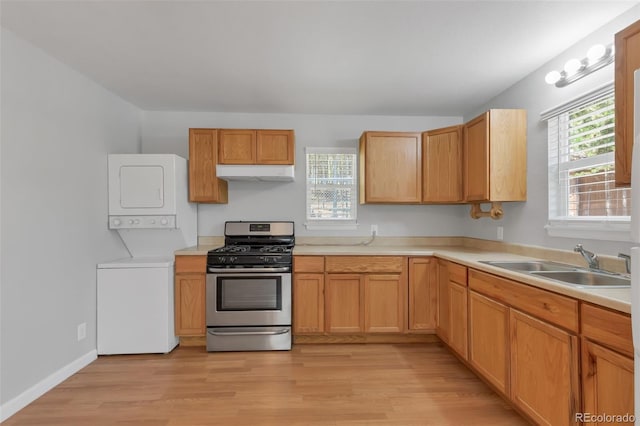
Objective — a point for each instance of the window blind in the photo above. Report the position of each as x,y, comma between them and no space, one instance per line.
331,184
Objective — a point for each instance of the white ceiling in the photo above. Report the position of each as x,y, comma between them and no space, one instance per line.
330,57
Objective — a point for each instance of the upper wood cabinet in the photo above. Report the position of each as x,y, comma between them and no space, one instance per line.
495,156
627,47
390,167
442,165
245,146
204,186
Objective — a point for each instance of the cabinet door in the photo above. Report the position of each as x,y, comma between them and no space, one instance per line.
544,371
343,303
627,47
607,381
476,159
422,294
390,168
458,319
489,340
237,146
275,147
190,304
442,165
204,186
442,325
384,301
308,303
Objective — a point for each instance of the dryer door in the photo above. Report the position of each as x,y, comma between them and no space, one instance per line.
142,184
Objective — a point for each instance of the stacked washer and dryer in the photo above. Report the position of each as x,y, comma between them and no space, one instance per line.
149,208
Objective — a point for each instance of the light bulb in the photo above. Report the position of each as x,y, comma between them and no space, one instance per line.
596,53
572,66
552,77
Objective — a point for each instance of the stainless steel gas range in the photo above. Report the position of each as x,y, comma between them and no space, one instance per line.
248,292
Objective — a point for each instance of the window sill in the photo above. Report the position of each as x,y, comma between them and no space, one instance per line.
590,229
331,226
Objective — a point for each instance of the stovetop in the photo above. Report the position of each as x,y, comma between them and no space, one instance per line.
251,250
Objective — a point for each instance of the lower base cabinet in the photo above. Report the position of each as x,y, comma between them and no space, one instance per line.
308,303
544,371
489,340
607,383
385,296
343,304
458,319
189,294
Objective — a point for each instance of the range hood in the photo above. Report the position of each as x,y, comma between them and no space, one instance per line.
256,172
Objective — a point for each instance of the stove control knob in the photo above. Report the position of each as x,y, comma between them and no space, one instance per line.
117,222
164,221
232,259
130,221
136,221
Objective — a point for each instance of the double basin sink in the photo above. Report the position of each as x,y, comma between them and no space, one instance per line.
565,274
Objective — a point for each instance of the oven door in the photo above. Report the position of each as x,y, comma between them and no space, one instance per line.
248,298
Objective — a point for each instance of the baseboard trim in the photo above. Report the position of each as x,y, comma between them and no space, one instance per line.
16,404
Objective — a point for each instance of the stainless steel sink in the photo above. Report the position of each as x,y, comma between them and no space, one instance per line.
583,278
564,273
530,266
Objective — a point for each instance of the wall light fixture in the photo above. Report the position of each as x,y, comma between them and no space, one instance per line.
597,57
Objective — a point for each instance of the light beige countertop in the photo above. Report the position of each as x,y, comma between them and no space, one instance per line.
614,298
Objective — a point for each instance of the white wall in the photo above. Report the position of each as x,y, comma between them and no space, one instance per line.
57,128
524,222
167,132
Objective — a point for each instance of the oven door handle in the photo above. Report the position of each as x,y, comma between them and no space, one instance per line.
248,270
249,333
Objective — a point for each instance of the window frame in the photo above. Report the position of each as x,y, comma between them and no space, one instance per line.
610,228
329,223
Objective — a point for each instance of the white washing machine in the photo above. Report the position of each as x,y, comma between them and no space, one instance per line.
135,306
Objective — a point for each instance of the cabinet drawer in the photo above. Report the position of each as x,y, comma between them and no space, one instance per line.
365,263
551,307
457,273
610,328
308,264
191,264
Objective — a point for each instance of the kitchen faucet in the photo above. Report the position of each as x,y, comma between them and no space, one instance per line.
591,258
627,261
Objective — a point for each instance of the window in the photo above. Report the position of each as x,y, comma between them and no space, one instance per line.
331,188
582,193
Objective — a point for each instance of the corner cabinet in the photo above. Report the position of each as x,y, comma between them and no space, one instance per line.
246,146
442,165
495,156
189,302
204,186
627,47
452,306
390,167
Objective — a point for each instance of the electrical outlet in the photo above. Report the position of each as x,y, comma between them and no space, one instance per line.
500,233
82,331
374,229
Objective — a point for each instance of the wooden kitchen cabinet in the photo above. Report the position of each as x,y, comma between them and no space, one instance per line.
544,371
344,304
189,295
607,361
384,303
452,306
247,146
423,297
308,294
442,165
442,323
204,186
365,294
458,318
495,156
489,340
390,167
627,60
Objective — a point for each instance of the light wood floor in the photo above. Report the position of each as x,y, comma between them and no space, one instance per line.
373,384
